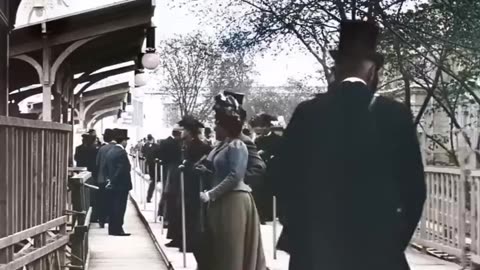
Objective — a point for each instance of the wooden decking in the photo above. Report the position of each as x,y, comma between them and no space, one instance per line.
136,252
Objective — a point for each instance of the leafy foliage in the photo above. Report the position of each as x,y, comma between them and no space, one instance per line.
430,46
195,69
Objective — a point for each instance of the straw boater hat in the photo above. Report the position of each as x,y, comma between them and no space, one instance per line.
358,39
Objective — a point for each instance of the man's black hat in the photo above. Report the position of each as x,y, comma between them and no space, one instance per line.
120,134
263,120
190,123
108,134
358,39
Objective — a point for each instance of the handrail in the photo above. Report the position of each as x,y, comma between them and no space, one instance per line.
33,124
31,232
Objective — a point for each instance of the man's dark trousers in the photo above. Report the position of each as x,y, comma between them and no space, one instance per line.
118,208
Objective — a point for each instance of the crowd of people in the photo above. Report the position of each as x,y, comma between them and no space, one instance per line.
347,173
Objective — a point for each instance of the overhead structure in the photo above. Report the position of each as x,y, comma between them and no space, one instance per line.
50,53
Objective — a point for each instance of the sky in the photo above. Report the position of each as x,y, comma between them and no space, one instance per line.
272,70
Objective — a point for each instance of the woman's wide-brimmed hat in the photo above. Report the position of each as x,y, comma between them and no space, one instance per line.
358,39
229,104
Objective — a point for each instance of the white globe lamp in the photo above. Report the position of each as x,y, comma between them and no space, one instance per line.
150,60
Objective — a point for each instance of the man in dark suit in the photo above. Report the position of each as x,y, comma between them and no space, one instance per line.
103,200
267,142
349,177
119,182
86,153
148,150
170,153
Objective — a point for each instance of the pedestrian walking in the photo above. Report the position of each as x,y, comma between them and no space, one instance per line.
119,182
102,195
349,177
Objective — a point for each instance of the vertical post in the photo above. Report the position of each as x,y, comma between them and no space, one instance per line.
155,193
202,212
4,68
162,199
47,84
4,204
184,231
62,252
274,204
144,188
81,112
464,174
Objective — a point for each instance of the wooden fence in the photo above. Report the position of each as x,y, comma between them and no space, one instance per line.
450,221
33,190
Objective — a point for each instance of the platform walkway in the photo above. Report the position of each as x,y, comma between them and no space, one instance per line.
135,252
417,259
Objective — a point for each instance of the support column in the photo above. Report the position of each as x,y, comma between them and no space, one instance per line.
57,107
3,69
47,84
81,113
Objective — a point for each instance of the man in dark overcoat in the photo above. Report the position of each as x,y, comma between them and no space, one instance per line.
195,151
149,149
119,182
267,143
102,196
170,152
349,177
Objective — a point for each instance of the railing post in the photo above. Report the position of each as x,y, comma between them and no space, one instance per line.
184,232
274,204
464,174
163,200
157,165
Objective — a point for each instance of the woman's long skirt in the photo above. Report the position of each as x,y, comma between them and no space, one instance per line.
234,230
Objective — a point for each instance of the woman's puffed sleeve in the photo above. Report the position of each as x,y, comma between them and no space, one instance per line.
237,156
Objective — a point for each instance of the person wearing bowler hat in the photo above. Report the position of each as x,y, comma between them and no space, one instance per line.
103,200
349,177
119,181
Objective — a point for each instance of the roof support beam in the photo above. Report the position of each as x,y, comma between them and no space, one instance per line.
100,115
137,19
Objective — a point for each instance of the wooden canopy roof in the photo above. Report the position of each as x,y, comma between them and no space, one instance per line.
113,34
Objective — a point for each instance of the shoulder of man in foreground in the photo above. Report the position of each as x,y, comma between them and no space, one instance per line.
393,108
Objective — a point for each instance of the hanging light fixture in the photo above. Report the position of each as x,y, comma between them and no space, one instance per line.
140,78
128,101
150,60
